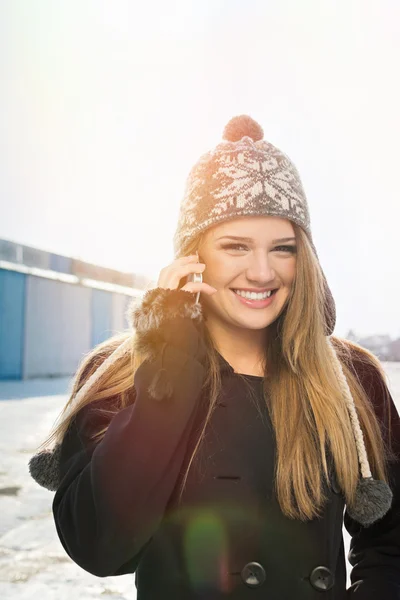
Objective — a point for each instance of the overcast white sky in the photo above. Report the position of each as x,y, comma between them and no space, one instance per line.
106,105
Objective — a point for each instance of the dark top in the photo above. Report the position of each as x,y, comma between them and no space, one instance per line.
117,511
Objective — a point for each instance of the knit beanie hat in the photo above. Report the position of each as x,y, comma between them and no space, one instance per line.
243,175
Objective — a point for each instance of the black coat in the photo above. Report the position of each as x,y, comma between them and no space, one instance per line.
116,510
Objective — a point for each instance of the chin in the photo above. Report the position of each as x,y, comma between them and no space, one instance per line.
258,318
260,323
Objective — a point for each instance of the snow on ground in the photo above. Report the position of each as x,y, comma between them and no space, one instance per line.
33,563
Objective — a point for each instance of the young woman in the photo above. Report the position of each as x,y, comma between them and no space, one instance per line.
217,448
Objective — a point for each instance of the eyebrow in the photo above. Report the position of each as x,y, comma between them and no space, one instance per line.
247,239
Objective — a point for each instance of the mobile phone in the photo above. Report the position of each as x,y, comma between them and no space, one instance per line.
196,278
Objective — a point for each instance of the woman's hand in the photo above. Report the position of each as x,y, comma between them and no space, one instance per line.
169,324
171,276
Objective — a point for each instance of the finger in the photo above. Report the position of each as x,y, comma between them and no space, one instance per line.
199,287
191,258
171,276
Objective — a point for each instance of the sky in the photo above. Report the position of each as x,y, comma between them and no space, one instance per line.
106,106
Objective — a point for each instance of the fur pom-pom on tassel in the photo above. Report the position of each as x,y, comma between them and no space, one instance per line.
372,501
44,468
160,387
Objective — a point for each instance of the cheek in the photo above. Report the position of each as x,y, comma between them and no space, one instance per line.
288,273
219,273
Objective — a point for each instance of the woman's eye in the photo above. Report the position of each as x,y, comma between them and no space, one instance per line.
287,248
233,246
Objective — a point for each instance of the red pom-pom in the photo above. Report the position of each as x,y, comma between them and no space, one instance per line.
241,126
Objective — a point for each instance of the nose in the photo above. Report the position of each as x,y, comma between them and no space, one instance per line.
260,271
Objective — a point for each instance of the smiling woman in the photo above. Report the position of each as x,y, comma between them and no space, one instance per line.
219,446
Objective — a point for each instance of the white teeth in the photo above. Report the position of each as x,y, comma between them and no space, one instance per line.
253,295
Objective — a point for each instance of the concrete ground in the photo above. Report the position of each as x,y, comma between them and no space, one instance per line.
33,564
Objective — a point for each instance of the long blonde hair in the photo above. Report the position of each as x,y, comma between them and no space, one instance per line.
301,390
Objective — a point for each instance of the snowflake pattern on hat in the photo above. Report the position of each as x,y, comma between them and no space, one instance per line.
237,179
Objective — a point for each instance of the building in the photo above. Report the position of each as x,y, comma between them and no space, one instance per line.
381,345
54,309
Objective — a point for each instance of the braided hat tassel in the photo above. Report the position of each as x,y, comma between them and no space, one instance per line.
373,497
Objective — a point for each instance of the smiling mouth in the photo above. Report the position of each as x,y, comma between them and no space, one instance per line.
250,297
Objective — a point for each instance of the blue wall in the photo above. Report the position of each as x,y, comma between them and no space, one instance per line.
12,322
47,326
57,327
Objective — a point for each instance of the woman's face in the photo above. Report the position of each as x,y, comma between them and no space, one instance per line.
261,258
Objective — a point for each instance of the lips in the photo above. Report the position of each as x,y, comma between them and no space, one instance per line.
255,303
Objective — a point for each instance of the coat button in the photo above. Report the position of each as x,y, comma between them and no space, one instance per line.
322,579
253,574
